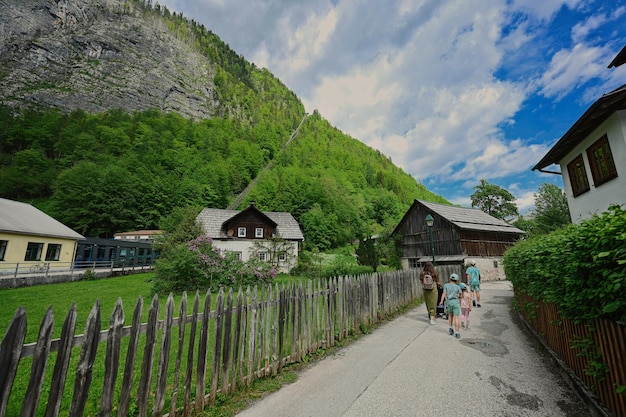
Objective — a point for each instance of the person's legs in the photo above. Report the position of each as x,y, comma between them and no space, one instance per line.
430,296
475,288
467,320
454,319
457,326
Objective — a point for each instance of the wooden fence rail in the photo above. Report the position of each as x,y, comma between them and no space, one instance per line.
595,352
152,369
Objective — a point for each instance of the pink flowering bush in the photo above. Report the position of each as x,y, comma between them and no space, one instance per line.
198,265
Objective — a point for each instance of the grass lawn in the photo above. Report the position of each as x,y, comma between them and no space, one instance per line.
129,288
38,298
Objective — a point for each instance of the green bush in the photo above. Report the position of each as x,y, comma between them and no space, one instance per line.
581,269
322,265
198,265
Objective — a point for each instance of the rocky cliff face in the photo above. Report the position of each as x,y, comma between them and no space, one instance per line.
96,55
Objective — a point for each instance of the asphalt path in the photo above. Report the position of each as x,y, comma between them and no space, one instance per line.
408,367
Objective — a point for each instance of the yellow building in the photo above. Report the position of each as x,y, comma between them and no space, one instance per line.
28,236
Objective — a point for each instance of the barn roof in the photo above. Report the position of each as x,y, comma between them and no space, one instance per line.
464,218
213,219
24,219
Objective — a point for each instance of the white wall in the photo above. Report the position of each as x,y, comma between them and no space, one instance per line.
247,250
597,200
488,269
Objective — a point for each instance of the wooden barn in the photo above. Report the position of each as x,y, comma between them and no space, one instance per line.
459,235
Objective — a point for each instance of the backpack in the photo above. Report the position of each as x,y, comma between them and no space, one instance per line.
428,283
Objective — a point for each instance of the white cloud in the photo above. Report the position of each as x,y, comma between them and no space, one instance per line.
525,202
571,68
436,86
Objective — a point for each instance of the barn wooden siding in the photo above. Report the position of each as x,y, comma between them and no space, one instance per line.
586,349
486,244
449,241
175,366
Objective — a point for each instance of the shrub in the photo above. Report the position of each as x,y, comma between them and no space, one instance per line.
197,265
581,269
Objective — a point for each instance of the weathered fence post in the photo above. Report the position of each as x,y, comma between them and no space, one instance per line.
129,366
10,352
85,364
112,361
38,369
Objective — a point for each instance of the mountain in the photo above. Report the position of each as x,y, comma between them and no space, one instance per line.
117,112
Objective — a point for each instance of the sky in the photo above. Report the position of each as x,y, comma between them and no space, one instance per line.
453,91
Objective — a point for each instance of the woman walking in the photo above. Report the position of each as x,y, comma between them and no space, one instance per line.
430,283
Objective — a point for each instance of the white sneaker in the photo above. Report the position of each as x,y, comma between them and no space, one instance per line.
432,322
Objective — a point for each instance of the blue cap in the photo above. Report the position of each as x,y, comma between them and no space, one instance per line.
463,286
454,277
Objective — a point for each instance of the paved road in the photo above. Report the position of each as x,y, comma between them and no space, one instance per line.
410,368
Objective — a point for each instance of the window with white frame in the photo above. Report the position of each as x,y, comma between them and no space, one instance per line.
258,232
282,257
262,256
241,232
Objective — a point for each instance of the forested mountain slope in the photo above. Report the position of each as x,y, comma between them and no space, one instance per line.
113,113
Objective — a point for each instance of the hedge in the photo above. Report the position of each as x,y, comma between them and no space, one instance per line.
581,268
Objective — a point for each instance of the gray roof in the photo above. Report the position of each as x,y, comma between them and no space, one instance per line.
22,218
471,218
213,219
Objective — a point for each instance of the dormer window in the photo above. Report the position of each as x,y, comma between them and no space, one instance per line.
241,232
258,232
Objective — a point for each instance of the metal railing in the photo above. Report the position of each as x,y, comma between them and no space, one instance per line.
14,270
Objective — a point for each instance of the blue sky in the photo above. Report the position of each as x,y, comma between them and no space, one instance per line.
453,91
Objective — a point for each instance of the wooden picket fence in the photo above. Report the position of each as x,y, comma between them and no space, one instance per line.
150,368
595,352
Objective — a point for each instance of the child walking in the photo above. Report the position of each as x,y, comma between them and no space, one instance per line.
451,293
466,306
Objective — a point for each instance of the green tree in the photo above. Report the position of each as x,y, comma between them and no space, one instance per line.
551,208
367,253
551,212
179,227
494,200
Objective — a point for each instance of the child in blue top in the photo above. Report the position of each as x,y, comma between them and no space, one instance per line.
451,293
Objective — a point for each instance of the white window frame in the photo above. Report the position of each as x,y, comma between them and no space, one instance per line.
263,256
282,257
258,232
241,232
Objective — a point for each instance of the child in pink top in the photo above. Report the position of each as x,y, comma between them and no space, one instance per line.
466,305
